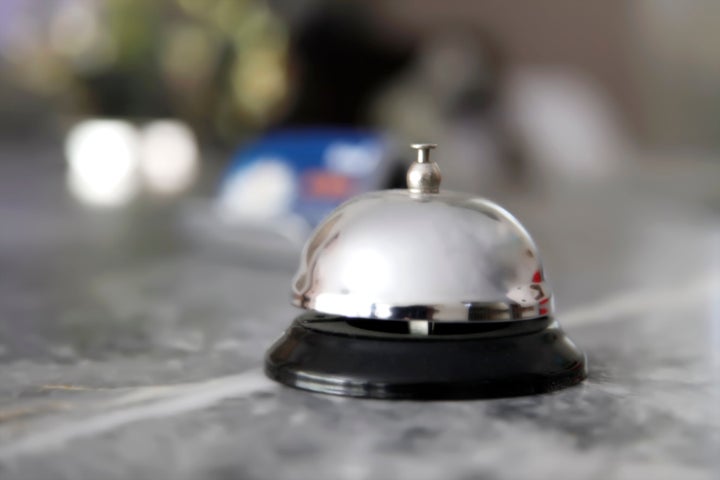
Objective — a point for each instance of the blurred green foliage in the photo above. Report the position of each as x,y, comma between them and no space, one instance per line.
220,65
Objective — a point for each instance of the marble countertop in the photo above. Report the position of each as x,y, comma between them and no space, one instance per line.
131,346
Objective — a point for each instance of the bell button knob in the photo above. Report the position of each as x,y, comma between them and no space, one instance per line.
424,176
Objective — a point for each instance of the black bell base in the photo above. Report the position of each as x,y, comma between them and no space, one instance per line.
339,356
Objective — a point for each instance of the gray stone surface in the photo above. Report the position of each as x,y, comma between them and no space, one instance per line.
131,346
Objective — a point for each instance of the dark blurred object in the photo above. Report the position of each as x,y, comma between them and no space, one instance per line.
339,60
454,92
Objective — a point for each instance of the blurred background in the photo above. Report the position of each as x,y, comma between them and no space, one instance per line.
162,163
239,125
228,123
146,99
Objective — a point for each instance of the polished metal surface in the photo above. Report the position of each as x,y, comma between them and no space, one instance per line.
423,176
440,257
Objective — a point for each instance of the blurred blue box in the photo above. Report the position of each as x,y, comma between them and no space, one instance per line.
303,173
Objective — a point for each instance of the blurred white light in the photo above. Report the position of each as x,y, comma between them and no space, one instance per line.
263,191
168,156
569,125
366,267
102,157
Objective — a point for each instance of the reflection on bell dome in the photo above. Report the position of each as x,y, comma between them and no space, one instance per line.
384,254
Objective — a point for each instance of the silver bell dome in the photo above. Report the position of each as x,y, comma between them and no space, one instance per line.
422,254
